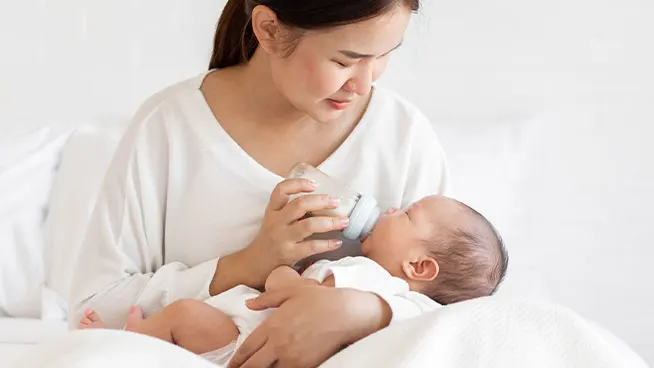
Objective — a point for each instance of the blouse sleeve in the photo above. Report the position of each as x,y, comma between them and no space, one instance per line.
121,262
428,172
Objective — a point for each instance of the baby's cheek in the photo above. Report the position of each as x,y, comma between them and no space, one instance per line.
368,247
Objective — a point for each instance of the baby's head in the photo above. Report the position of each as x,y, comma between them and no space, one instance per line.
441,247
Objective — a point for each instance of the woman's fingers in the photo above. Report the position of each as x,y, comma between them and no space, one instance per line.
301,311
286,228
284,190
317,225
270,299
299,207
317,246
249,348
264,357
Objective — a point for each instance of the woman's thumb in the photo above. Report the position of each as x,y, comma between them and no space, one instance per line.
272,299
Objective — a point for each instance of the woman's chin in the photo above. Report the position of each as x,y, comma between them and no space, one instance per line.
324,113
327,118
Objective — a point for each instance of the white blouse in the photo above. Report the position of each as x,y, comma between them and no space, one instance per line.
180,193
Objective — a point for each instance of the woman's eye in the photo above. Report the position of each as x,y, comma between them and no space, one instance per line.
342,65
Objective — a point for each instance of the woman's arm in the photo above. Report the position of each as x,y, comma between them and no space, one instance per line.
121,262
311,324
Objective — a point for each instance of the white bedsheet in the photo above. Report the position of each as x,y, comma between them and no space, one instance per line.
490,332
20,335
11,352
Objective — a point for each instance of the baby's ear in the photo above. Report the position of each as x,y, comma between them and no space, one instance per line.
424,268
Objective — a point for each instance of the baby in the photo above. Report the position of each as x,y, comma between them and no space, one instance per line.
438,248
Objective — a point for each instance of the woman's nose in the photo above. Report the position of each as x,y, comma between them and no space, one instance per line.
350,87
362,81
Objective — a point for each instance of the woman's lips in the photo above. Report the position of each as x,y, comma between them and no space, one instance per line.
339,104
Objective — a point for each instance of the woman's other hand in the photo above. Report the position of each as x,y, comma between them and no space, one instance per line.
311,324
282,239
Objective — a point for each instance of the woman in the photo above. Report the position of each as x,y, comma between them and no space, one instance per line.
186,210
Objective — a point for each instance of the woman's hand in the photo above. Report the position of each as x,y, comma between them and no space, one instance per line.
281,240
312,324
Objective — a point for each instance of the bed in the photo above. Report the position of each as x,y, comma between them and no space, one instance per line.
19,335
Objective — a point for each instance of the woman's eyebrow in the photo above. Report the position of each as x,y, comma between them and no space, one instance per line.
356,55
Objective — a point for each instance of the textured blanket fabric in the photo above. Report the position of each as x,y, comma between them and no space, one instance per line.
492,332
489,332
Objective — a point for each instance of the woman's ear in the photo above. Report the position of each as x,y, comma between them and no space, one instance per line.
423,268
266,28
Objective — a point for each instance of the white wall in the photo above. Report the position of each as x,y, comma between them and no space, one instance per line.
86,59
550,103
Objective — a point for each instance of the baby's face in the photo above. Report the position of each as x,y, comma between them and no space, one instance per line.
399,234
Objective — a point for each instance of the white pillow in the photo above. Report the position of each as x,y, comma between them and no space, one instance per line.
85,159
28,160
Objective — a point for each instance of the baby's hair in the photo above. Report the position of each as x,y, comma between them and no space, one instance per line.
472,264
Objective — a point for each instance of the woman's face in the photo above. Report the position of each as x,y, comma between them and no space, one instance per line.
330,69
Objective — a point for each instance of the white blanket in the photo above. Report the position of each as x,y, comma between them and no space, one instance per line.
490,332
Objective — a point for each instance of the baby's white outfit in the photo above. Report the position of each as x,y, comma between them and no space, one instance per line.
359,273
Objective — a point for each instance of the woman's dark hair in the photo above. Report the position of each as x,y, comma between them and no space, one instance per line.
235,41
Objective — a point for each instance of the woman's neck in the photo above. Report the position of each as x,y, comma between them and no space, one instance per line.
264,103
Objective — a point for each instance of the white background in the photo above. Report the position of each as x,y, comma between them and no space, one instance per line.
557,95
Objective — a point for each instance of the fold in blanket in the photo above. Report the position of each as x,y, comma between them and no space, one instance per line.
487,332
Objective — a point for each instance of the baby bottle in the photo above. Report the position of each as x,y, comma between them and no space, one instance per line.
361,209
